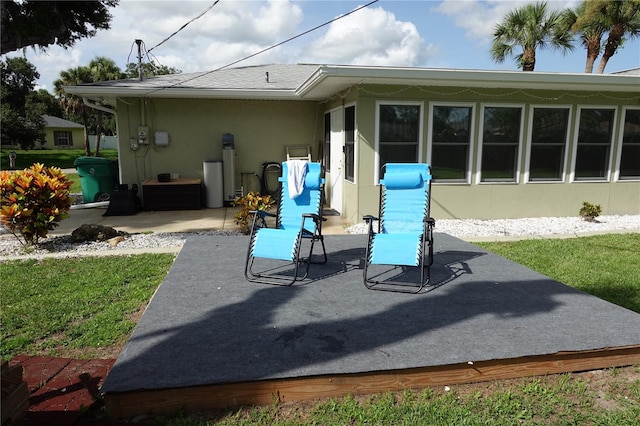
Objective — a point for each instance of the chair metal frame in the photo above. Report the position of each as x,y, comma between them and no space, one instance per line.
425,248
310,229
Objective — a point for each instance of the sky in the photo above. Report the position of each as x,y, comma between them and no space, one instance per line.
418,33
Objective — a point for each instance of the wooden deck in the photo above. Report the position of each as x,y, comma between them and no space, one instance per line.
210,339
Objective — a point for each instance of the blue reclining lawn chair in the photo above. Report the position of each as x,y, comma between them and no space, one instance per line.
298,219
404,237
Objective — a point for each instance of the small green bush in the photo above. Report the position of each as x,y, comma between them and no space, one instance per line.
251,202
33,201
590,212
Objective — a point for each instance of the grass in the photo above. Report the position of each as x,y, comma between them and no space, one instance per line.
604,397
79,305
606,266
63,158
83,305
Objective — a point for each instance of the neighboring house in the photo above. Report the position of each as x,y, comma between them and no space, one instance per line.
502,144
63,134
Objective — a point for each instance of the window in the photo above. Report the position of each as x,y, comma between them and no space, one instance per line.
451,142
349,142
327,141
500,141
630,156
62,138
549,132
399,133
593,148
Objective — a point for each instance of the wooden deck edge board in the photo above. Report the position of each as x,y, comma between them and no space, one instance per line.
264,392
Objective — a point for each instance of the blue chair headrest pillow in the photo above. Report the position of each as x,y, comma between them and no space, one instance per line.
403,180
312,180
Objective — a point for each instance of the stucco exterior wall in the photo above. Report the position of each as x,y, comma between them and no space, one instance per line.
494,200
261,130
77,136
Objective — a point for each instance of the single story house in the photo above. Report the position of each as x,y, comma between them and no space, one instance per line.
63,134
501,144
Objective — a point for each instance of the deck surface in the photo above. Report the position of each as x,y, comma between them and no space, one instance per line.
207,326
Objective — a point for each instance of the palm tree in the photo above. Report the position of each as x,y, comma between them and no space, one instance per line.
590,32
623,17
530,27
74,104
102,69
594,18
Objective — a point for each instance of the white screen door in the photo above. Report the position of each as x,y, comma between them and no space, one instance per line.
335,178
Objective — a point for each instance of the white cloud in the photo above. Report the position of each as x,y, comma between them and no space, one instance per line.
370,36
479,18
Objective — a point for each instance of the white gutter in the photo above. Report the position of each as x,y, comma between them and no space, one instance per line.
170,92
88,103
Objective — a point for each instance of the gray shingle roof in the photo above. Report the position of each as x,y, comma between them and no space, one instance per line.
281,77
61,123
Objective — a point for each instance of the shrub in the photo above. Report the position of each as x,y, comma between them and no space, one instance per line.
33,201
251,202
589,212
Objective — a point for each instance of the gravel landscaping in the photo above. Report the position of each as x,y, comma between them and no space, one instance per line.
468,229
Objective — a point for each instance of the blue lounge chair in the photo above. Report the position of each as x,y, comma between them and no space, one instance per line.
404,236
298,219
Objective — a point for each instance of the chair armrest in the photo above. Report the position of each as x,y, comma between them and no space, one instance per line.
316,218
262,213
369,218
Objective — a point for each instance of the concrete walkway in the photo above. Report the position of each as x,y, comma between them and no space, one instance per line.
171,221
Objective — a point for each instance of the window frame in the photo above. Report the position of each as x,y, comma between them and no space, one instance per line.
472,139
326,142
519,144
576,137
354,145
623,120
420,141
57,138
529,142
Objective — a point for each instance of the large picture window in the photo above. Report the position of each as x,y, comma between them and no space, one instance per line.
595,132
549,132
630,155
349,142
399,132
62,138
501,132
451,142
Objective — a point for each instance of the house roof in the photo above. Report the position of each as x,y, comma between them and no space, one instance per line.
60,123
319,82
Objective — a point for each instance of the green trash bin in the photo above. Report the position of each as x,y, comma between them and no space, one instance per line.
98,177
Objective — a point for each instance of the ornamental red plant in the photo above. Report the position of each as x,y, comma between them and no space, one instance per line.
33,201
251,202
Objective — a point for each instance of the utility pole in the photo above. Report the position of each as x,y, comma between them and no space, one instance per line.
139,43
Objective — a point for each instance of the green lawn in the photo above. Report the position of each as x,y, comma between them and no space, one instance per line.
606,265
81,305
63,158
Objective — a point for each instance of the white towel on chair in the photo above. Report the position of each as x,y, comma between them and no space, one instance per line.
296,172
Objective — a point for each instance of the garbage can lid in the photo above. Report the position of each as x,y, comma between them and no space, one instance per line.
82,161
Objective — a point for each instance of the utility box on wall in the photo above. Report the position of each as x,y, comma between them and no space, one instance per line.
229,168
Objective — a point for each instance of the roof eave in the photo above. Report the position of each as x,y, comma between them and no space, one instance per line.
339,78
188,93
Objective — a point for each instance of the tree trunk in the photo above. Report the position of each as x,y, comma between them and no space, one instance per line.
615,36
87,147
593,50
528,59
96,153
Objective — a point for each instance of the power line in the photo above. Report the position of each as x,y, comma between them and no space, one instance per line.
185,25
268,48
